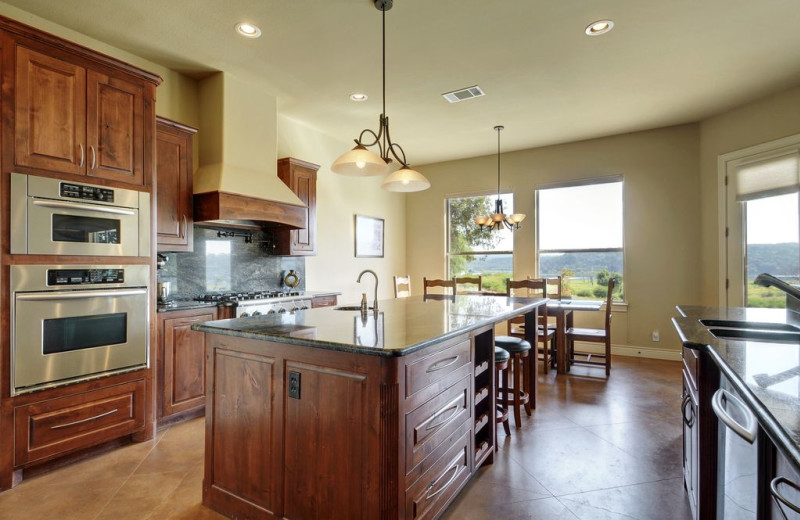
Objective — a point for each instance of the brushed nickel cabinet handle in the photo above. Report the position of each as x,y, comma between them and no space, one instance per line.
453,466
83,155
452,405
111,412
747,431
184,227
439,365
781,500
94,157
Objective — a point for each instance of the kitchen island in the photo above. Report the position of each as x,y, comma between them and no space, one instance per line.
326,413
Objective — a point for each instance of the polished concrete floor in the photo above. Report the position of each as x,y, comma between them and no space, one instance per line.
594,449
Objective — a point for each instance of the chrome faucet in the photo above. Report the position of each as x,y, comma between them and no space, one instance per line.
767,280
370,271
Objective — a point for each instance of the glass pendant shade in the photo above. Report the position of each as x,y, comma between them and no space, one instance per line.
359,162
516,218
405,180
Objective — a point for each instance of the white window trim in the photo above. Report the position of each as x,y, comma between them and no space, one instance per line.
725,164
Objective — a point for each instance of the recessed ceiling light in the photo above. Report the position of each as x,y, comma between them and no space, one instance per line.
358,97
248,30
599,27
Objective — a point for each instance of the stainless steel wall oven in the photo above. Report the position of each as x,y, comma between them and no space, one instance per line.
56,217
74,322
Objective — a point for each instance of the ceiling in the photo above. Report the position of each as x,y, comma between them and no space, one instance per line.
664,63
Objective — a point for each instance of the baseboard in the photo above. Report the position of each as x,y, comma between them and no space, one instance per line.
630,351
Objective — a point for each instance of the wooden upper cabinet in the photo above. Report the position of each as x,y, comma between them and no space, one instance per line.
174,185
76,120
50,129
114,128
301,177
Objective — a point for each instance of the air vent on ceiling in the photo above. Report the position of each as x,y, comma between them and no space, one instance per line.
463,94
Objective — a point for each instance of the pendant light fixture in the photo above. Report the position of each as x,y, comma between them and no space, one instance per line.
361,162
499,219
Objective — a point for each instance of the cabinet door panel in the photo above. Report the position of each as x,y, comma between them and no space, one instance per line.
326,448
174,189
305,188
50,113
184,364
115,135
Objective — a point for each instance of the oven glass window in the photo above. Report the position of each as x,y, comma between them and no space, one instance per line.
80,332
86,230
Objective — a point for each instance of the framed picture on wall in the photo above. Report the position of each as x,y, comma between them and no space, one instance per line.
369,237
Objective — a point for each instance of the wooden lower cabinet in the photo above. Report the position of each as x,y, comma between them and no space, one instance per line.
54,427
297,432
182,364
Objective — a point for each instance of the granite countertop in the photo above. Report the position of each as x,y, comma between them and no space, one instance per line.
776,365
402,326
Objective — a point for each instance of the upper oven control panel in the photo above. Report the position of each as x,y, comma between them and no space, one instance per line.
84,276
84,192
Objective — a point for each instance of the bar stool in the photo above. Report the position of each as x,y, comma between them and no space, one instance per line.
501,358
517,395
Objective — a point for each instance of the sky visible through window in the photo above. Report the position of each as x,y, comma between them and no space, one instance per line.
581,217
772,220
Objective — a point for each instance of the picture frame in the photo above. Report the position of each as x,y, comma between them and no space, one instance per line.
369,234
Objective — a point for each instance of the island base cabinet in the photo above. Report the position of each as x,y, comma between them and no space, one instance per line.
297,432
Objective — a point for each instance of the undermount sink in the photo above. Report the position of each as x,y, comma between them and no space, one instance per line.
757,335
750,325
350,308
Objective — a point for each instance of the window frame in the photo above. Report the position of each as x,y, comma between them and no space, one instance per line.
575,184
447,253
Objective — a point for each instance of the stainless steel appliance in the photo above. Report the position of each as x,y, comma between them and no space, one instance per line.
56,217
738,461
261,302
75,322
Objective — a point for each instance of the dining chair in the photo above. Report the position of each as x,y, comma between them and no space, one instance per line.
402,286
592,336
444,284
534,288
553,292
474,280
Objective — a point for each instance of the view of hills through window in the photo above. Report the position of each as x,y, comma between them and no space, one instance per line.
771,246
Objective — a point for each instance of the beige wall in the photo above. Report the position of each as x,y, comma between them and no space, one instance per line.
662,210
763,120
339,198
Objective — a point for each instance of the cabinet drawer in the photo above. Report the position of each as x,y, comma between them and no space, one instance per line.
432,368
433,491
431,423
65,424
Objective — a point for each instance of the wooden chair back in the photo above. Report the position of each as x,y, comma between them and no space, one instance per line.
444,284
476,280
553,288
402,286
534,287
612,282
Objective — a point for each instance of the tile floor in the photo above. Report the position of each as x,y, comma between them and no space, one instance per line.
594,449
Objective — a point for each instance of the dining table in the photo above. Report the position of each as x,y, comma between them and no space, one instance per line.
563,310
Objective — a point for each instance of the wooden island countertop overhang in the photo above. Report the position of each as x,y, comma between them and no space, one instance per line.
330,414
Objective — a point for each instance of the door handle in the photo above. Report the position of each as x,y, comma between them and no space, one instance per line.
781,500
94,157
83,155
747,431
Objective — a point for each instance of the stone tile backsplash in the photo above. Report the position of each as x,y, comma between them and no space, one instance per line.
221,264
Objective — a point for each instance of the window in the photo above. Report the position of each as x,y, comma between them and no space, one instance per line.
579,236
472,251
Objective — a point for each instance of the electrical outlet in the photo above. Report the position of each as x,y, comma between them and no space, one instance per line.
656,335
294,385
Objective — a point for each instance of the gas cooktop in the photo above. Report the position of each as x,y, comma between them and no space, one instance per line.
235,297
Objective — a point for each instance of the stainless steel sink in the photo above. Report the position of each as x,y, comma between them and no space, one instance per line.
750,325
780,335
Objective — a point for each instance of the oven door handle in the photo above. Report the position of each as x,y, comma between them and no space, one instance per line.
77,295
78,205
747,431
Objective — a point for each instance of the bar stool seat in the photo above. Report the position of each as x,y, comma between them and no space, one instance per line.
518,394
501,358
